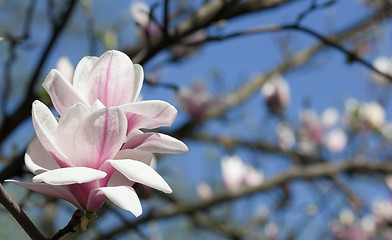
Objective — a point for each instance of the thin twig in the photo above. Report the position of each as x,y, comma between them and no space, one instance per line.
75,221
303,172
20,216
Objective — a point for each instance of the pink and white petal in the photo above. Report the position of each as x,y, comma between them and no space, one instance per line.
82,72
111,80
139,78
61,91
149,114
142,173
125,197
67,126
156,143
54,191
135,154
70,175
45,125
118,179
37,159
99,137
97,105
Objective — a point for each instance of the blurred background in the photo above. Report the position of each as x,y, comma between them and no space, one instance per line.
285,107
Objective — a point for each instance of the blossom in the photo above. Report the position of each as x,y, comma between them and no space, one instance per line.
204,191
286,136
373,114
140,12
235,173
96,150
335,140
82,158
384,65
196,100
111,80
277,94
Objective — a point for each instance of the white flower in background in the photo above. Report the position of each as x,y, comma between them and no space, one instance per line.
382,210
236,173
346,217
364,116
330,117
336,140
140,12
384,65
204,191
276,93
373,114
66,68
285,135
271,231
196,100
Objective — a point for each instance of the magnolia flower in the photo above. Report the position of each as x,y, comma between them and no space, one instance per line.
373,114
286,136
111,80
384,65
86,156
365,115
382,211
236,173
335,140
277,94
95,150
204,191
140,12
196,100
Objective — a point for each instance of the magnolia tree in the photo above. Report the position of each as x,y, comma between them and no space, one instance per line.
276,111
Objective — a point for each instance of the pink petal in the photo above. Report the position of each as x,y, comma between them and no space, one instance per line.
45,125
99,137
61,91
149,114
82,72
139,77
37,159
156,143
142,173
123,196
70,175
54,191
67,126
112,80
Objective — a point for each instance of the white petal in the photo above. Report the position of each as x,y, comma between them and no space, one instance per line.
71,175
45,125
61,91
125,197
139,77
54,191
142,173
81,74
156,143
37,159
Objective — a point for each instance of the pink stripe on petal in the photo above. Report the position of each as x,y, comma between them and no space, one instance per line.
111,80
99,137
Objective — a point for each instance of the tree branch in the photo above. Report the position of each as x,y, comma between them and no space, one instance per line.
296,173
20,216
